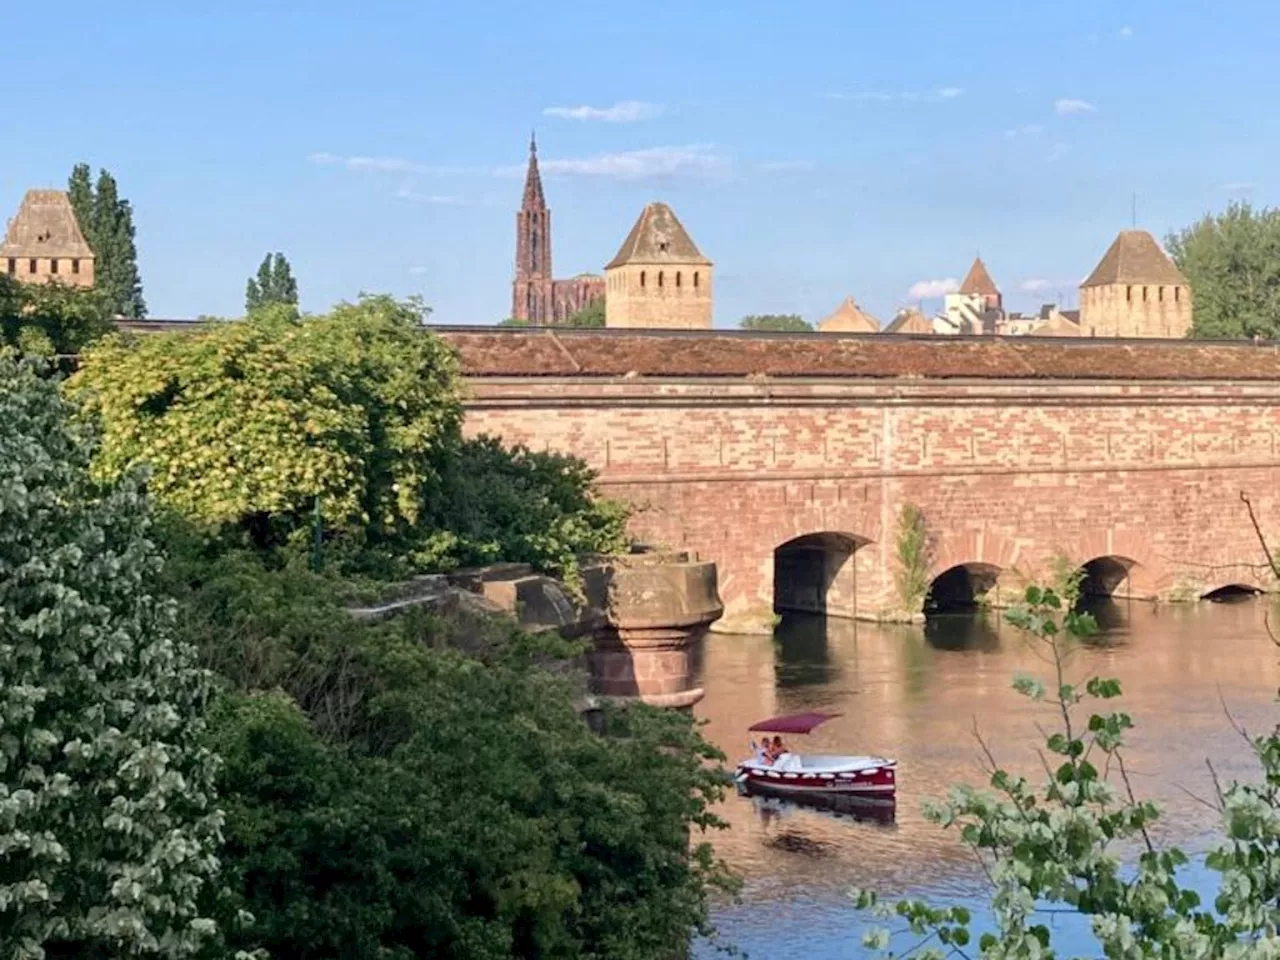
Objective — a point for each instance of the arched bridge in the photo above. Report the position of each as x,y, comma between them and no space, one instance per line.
792,460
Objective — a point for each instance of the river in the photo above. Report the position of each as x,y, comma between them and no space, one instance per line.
916,693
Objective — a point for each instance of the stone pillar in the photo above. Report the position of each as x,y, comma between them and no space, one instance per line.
657,606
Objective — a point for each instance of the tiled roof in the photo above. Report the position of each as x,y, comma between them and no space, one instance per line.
529,352
658,237
978,280
45,226
849,318
910,321
1134,257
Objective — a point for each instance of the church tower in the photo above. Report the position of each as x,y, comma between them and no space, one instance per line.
532,289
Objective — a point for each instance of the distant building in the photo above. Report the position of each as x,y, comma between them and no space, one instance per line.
535,297
659,279
1135,291
1060,324
849,318
43,243
976,308
910,321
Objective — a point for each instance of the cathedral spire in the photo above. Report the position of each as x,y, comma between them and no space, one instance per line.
533,199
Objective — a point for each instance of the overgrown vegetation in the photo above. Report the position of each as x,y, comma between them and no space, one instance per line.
1061,845
911,547
50,319
781,322
418,787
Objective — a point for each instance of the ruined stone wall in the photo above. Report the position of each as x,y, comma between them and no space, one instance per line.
667,296
1135,310
1007,473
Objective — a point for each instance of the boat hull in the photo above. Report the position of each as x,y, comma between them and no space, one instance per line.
878,780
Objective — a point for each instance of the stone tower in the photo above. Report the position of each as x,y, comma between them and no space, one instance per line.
1135,291
44,244
659,279
532,291
978,283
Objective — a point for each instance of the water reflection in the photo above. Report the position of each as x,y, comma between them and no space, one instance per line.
917,693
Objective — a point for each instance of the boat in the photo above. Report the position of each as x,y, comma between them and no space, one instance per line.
799,774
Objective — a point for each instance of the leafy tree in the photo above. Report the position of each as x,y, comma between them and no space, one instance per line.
51,319
425,786
1232,261
109,828
783,322
274,285
245,425
592,315
513,322
106,220
1060,844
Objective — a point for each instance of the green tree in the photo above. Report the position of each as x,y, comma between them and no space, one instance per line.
783,322
274,285
51,319
109,829
592,315
513,322
426,787
1232,261
106,220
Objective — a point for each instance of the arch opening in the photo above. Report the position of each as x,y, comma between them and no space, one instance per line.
1231,593
1102,576
814,574
960,588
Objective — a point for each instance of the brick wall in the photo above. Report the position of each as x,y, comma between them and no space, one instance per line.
1007,472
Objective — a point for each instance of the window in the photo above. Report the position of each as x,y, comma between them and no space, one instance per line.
641,279
1175,294
1160,294
677,279
1144,294
659,279
695,279
75,266
53,265
32,265
1128,294
13,266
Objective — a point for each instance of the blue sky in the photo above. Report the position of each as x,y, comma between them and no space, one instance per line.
812,149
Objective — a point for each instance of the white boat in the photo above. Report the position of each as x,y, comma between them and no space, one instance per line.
814,774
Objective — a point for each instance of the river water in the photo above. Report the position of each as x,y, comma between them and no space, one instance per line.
916,693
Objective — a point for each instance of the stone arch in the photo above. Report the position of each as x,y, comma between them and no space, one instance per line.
981,547
815,573
1231,592
961,586
1145,574
1106,576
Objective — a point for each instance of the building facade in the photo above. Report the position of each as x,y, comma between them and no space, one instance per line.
1135,291
537,298
43,242
659,278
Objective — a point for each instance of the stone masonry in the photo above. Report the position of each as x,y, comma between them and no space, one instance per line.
43,243
659,278
1017,452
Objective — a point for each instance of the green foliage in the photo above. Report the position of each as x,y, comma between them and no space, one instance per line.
592,315
513,322
784,322
1232,261
1060,845
51,319
273,286
912,555
109,828
244,424
106,220
425,787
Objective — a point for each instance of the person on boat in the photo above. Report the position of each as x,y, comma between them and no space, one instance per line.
778,748
761,753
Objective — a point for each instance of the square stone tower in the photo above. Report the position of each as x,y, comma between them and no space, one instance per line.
1135,291
44,244
659,279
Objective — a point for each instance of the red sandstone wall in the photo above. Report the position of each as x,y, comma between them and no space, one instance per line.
1006,473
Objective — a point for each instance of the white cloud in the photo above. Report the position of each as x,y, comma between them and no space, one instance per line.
1126,32
408,193
901,96
625,111
930,289
1068,105
1026,130
382,164
653,163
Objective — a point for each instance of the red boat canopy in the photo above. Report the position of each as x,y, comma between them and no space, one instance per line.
792,723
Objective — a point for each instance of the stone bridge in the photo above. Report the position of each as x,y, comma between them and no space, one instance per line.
789,459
